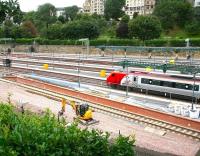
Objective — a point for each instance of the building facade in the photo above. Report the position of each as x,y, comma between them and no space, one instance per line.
87,6
140,7
94,6
60,11
197,3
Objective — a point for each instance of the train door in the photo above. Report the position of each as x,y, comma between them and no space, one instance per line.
135,81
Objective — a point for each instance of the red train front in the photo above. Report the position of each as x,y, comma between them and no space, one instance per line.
114,79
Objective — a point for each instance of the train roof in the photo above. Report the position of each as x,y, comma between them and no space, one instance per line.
176,78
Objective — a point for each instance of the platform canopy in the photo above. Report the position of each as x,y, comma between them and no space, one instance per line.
148,49
183,68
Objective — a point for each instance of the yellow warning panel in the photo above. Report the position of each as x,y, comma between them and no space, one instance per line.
46,66
148,69
103,73
172,61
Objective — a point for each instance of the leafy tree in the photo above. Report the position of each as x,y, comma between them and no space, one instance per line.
61,19
125,19
71,12
46,13
3,9
197,13
80,29
29,29
193,28
145,27
30,16
173,13
122,30
10,10
113,9
7,28
55,31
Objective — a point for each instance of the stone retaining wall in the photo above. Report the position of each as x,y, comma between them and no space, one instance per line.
92,50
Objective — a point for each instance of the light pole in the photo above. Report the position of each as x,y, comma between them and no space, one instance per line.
79,81
126,78
193,89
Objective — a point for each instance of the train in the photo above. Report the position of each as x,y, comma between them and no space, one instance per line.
174,85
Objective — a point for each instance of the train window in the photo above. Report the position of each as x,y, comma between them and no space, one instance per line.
167,84
161,83
173,84
145,81
196,88
156,82
188,87
150,81
134,79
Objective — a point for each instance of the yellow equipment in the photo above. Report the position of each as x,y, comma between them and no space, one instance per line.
84,113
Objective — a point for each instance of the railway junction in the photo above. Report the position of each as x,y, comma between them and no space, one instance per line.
162,124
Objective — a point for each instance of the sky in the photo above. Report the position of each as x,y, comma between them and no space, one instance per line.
30,5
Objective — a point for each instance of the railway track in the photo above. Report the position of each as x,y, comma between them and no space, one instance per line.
64,66
120,113
110,60
63,76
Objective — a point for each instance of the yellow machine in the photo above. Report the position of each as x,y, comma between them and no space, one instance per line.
84,113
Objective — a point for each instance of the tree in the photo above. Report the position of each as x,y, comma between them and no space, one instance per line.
61,19
122,30
80,29
193,27
125,19
29,29
10,10
30,16
145,27
46,13
3,8
55,31
71,12
173,13
113,9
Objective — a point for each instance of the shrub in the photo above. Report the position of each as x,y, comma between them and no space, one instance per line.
156,43
177,43
195,42
145,27
29,134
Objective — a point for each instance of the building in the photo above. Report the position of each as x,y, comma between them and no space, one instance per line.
87,6
60,11
94,6
149,6
140,7
197,3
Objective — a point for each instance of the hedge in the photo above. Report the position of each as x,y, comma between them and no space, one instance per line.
28,134
115,42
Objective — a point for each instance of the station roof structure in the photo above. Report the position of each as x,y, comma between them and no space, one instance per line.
148,49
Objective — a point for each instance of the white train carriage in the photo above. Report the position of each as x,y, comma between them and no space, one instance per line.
163,84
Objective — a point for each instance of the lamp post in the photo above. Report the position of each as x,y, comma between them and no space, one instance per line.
193,89
126,62
79,81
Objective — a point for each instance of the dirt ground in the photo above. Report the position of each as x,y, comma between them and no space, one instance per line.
146,142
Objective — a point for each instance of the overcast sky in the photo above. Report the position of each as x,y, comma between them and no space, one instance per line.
29,5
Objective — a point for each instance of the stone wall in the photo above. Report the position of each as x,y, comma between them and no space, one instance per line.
92,50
